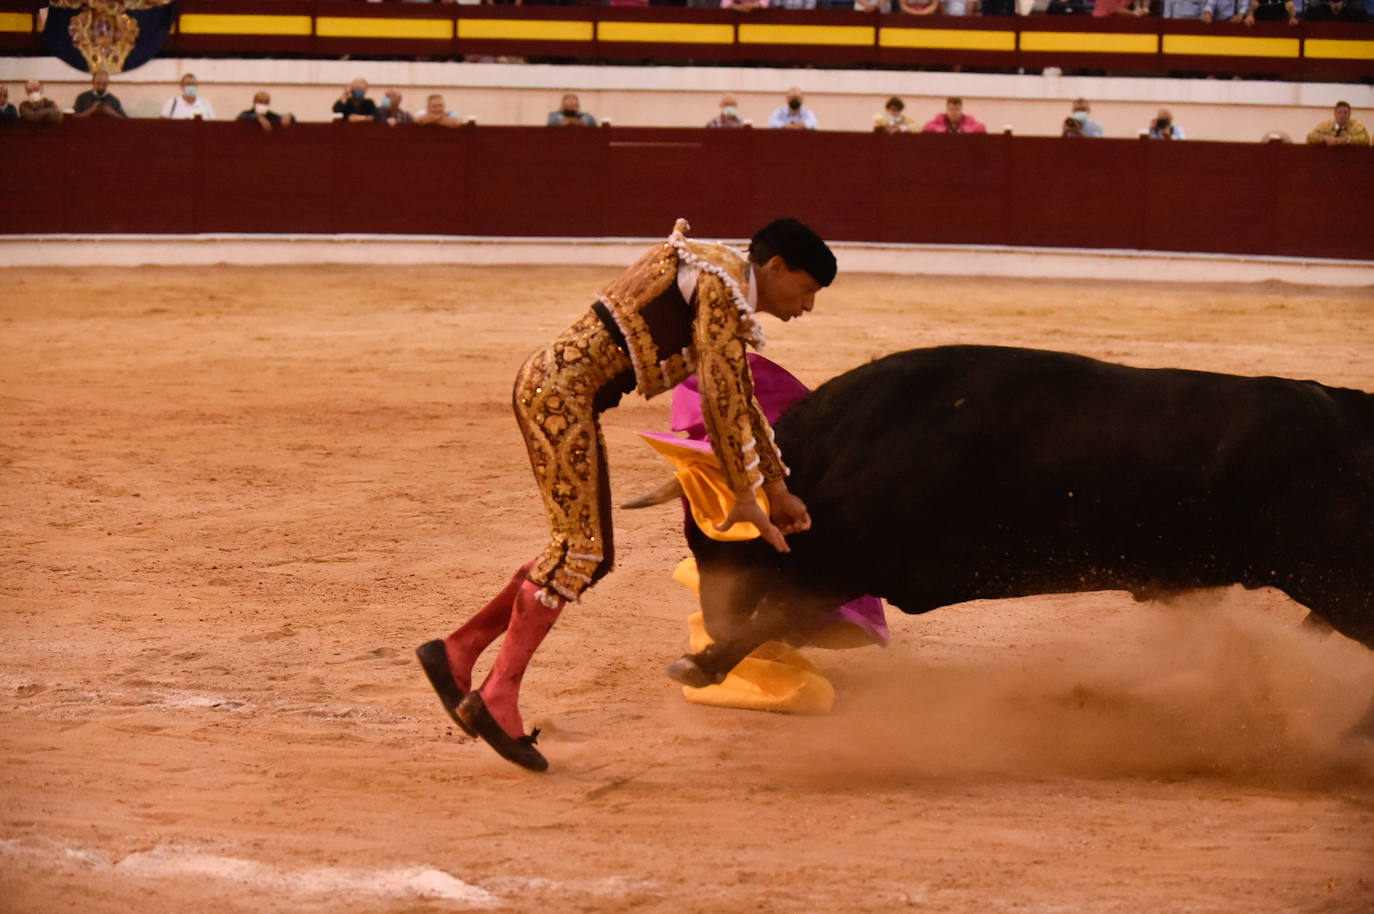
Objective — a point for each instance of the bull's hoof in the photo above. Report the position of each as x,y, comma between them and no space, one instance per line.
686,671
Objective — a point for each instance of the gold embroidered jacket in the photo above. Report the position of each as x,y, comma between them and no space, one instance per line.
669,338
1358,135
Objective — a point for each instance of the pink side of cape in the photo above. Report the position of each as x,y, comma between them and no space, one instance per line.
776,390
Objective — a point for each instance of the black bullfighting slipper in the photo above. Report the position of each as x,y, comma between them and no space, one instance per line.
434,661
519,750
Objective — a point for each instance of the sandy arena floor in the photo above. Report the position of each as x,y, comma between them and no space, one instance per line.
234,501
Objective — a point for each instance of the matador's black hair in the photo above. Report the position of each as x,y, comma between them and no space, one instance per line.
798,246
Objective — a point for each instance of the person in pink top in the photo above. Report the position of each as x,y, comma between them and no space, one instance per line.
1121,8
954,120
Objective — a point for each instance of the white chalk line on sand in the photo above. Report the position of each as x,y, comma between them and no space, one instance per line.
172,862
65,703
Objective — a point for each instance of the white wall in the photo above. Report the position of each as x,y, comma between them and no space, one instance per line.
520,94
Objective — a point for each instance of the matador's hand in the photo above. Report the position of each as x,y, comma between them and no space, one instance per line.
786,510
747,511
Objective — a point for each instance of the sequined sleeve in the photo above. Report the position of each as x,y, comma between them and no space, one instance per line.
770,458
739,433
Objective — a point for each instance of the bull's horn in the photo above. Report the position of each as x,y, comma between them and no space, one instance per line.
667,492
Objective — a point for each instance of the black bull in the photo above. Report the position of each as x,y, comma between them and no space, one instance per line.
936,476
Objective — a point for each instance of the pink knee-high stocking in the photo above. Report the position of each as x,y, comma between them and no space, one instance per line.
464,646
529,624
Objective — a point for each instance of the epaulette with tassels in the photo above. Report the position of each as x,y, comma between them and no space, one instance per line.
750,323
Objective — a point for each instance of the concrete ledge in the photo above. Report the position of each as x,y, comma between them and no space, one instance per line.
903,259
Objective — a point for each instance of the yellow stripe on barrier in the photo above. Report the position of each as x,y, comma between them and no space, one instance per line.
667,32
849,35
1230,46
217,24
965,39
1338,49
367,27
1090,42
16,22
526,30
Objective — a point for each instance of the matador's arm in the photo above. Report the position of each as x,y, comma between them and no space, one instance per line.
740,434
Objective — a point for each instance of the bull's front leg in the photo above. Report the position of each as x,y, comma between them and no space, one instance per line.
770,619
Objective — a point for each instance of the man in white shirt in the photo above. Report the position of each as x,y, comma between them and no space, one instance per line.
794,115
188,105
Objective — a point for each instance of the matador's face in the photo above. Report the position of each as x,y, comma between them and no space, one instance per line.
784,292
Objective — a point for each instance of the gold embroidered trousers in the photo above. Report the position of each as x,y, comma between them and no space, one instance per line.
559,392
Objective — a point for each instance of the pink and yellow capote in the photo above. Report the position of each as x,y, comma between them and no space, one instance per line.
776,676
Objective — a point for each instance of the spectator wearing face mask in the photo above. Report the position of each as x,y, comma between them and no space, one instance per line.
570,114
389,109
7,111
38,108
264,115
188,105
354,106
794,115
98,101
729,114
1086,125
892,119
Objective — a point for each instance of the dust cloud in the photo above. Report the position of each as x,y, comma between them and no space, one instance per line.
1209,685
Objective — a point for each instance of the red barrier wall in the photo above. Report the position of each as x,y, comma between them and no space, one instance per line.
100,176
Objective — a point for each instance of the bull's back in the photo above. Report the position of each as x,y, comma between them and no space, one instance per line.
962,472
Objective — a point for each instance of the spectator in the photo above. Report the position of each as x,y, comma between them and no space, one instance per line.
188,104
1086,125
1273,11
1071,7
1341,130
1135,8
792,4
744,6
390,109
436,114
37,107
262,113
891,119
570,114
794,115
7,111
873,6
729,113
959,7
1276,136
917,8
97,101
354,106
999,7
954,120
1184,9
1325,10
1164,128
1223,10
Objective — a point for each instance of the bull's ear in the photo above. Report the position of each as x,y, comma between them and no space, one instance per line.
670,490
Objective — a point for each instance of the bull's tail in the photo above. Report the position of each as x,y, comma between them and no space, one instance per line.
670,490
